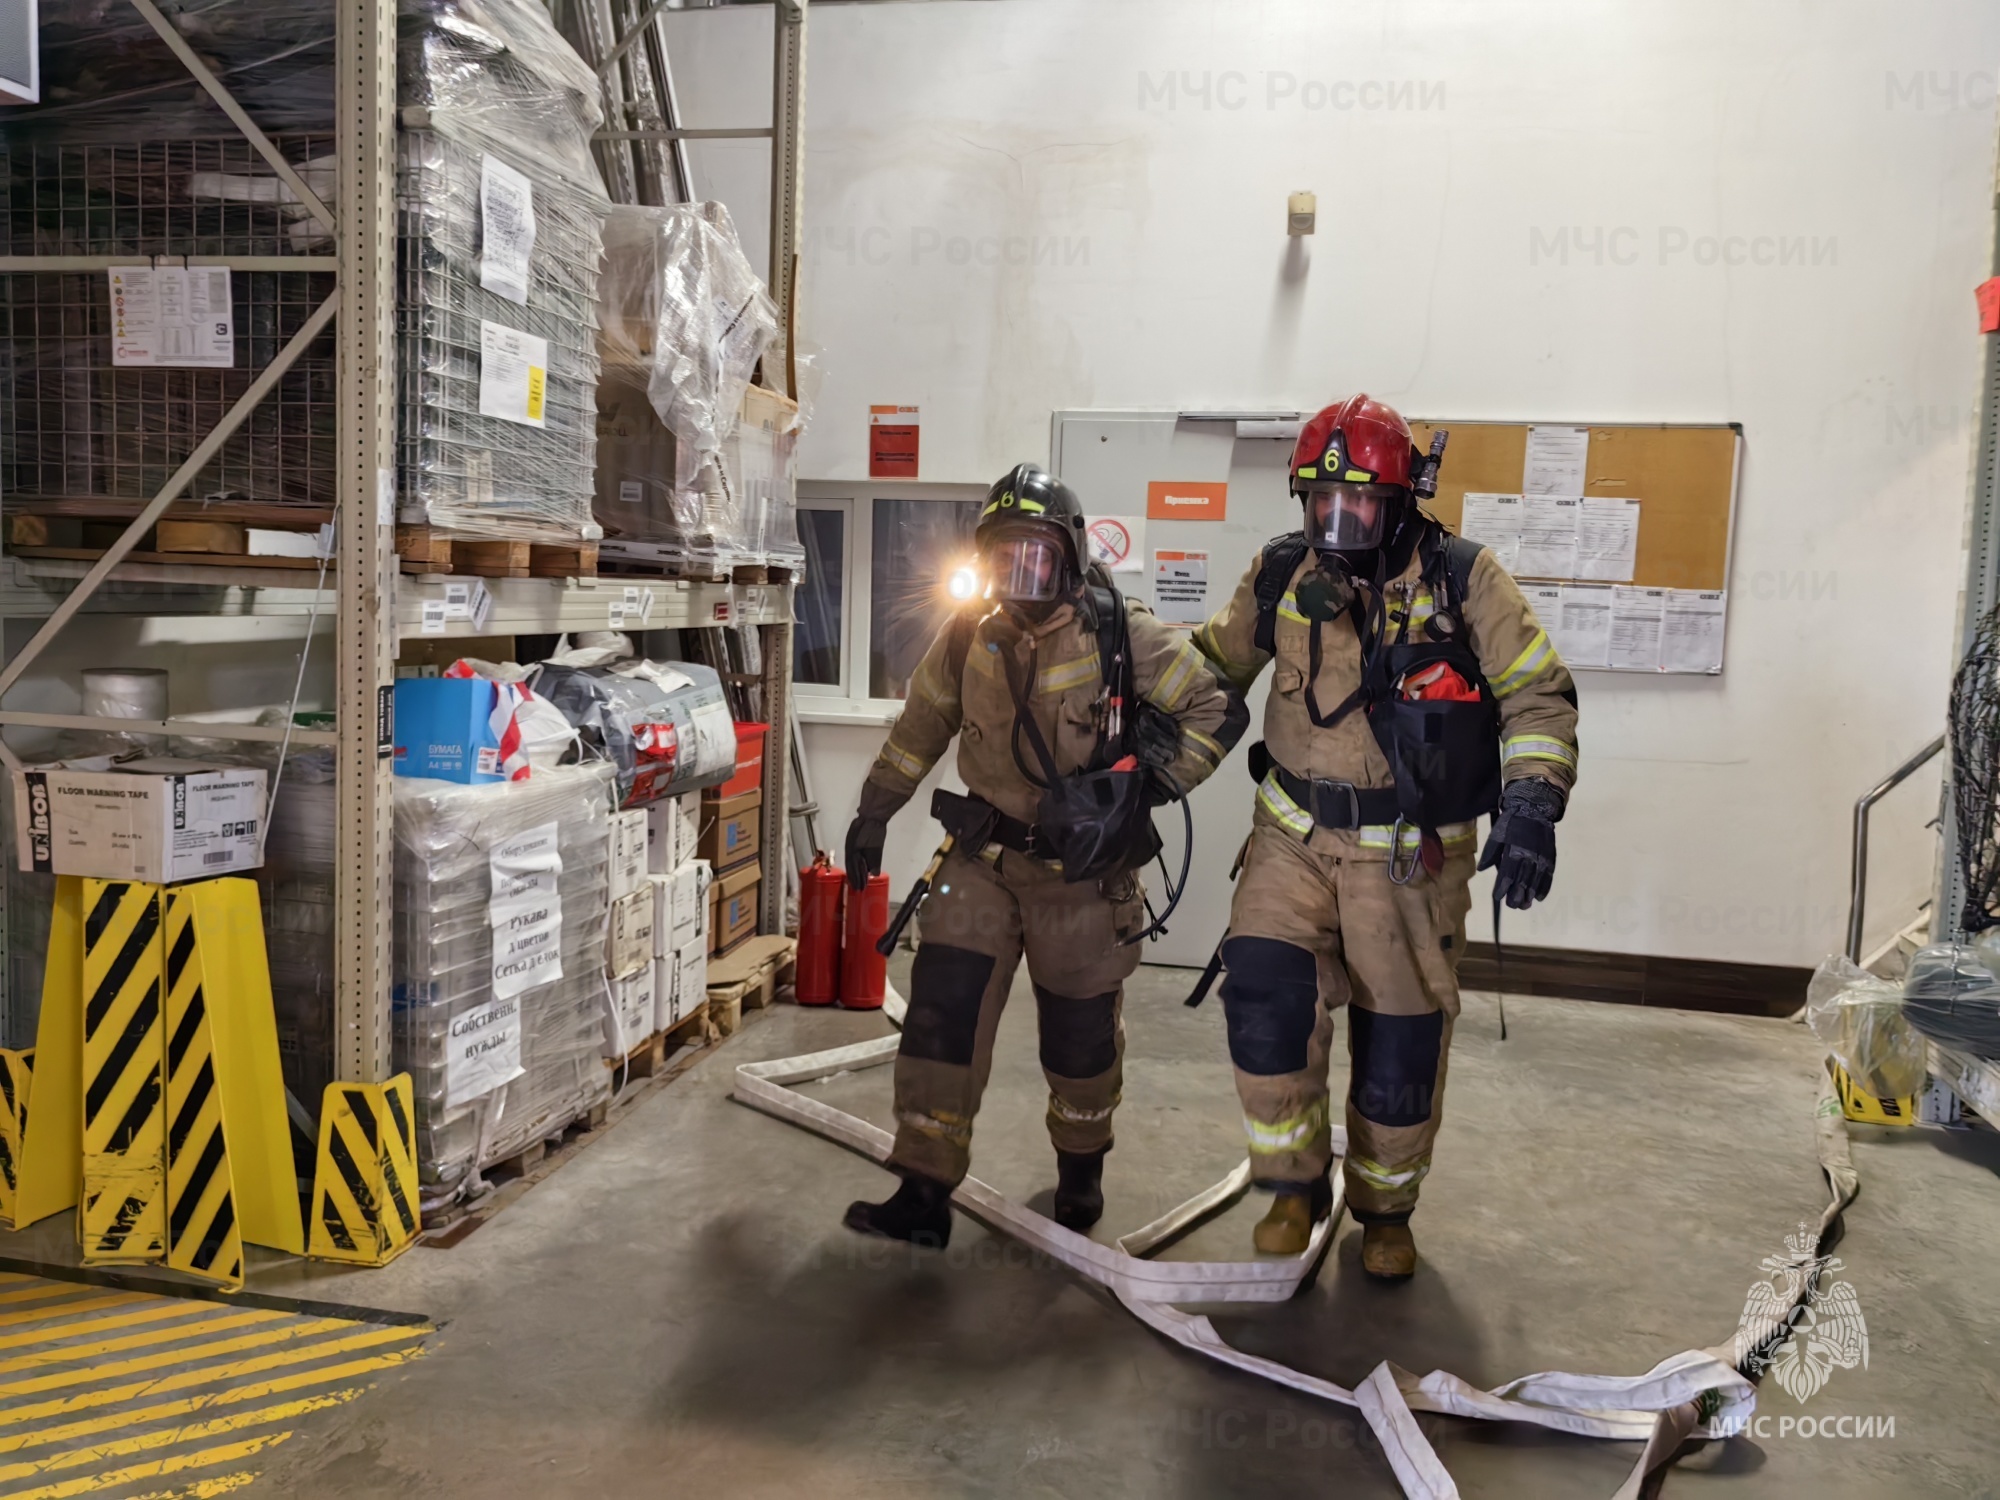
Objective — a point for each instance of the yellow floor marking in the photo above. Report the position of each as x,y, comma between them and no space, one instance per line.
193,1404
22,1317
14,1313
102,1325
223,1454
167,1436
113,1370
186,1379
41,1289
202,1489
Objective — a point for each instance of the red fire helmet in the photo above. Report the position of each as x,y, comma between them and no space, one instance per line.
1356,441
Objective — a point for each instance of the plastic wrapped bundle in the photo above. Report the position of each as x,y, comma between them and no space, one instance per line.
1952,995
496,887
296,882
501,233
664,726
1861,1020
684,323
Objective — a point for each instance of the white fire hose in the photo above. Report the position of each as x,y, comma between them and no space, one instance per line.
1696,1393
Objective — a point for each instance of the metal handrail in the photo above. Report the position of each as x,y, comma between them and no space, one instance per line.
1857,899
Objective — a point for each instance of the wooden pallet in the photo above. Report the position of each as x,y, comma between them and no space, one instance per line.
218,535
420,549
755,971
522,1162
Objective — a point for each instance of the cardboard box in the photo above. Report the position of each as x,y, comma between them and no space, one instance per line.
729,829
631,946
681,984
673,825
662,887
732,906
691,883
157,820
636,997
628,852
444,729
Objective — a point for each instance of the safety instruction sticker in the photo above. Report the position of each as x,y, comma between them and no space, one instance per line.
892,442
1180,587
172,315
513,374
506,229
482,1051
1118,542
525,911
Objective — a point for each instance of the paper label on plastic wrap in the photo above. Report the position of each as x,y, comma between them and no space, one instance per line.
506,229
525,911
714,738
172,315
483,1050
513,374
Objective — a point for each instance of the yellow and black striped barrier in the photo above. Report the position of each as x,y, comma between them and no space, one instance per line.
124,1215
16,1072
365,1182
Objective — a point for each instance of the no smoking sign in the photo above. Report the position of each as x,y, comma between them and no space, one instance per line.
1117,542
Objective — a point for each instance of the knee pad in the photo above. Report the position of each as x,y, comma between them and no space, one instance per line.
1079,1037
946,985
1270,1002
1395,1065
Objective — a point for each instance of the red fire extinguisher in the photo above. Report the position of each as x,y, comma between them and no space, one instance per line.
864,973
820,891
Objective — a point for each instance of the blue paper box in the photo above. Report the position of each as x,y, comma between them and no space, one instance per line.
444,729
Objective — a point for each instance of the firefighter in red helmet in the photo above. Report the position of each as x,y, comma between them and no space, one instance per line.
1413,691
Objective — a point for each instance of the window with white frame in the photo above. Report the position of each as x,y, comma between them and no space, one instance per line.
872,600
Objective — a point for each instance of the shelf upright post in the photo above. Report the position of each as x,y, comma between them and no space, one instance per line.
788,113
365,116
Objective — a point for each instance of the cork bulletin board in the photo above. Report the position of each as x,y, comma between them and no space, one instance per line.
1645,587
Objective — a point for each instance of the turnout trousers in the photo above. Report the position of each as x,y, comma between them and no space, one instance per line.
1316,925
983,916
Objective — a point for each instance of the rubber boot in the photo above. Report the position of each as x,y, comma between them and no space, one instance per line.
919,1212
1079,1188
1388,1251
1295,1207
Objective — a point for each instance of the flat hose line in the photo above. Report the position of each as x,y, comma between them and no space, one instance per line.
1697,1394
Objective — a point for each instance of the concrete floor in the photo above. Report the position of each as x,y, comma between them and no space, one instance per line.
678,1308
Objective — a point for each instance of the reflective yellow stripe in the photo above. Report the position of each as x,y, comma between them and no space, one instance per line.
1278,803
1065,675
1060,1110
1538,747
901,760
1288,608
1211,750
1526,667
1376,835
1377,1175
1421,607
1178,678
1276,1136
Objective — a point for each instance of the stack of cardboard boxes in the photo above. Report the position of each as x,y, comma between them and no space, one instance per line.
678,880
632,936
732,825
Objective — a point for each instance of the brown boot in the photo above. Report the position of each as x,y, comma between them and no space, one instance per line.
1388,1251
1287,1227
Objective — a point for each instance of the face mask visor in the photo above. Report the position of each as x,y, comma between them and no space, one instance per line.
1025,569
1348,517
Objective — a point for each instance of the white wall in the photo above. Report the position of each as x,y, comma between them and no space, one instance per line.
1010,210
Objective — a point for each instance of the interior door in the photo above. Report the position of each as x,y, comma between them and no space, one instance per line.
1109,459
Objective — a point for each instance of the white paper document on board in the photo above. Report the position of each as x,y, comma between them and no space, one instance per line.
483,1050
513,374
1548,536
1583,638
1180,587
1691,630
1607,538
524,909
1496,521
1636,616
1555,462
172,315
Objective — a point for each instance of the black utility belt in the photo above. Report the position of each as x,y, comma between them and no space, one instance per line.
1339,804
975,823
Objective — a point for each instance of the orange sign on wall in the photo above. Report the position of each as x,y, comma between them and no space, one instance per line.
1173,500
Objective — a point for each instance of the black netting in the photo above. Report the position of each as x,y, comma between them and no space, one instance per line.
1975,774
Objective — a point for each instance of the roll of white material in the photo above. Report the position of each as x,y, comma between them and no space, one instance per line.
125,692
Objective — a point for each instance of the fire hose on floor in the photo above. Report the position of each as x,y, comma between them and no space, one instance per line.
1699,1393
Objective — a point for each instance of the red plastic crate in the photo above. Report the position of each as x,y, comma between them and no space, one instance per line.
749,761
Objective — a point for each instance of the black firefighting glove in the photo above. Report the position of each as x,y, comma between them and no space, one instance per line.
865,837
1523,841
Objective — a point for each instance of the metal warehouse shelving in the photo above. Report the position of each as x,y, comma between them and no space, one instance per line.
372,604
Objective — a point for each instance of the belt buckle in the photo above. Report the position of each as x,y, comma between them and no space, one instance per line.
1322,788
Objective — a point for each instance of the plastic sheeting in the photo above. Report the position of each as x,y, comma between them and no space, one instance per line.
498,350
444,965
1952,995
1860,1019
664,726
